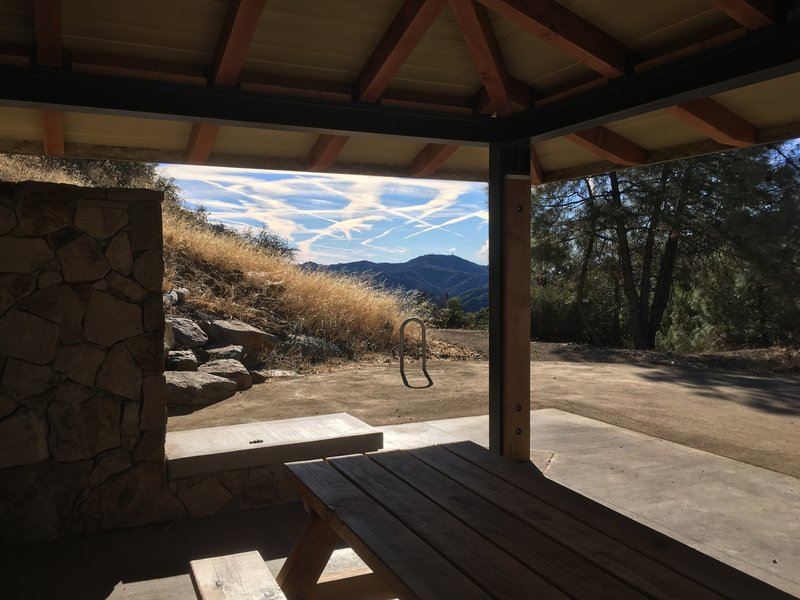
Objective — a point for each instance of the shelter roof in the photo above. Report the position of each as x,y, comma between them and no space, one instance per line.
397,87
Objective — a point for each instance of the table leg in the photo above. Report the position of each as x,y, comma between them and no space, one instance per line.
311,552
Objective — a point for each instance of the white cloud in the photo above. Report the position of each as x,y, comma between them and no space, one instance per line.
319,212
482,255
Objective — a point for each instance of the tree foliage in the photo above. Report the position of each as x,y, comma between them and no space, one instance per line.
694,254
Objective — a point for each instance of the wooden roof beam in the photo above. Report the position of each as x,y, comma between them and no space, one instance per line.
474,22
717,122
50,53
240,26
609,145
550,21
53,132
396,45
537,175
324,151
49,36
432,156
427,101
752,14
139,67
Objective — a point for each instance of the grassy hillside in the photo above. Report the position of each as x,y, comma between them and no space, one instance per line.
227,275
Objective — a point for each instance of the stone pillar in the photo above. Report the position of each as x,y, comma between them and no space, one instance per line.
82,408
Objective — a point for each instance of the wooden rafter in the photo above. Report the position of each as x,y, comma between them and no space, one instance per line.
427,101
406,30
475,25
240,26
430,158
201,140
143,68
325,151
717,122
752,14
50,53
49,36
550,21
609,145
537,176
396,45
53,132
300,87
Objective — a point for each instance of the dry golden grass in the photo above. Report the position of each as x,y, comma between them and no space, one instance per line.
229,275
32,168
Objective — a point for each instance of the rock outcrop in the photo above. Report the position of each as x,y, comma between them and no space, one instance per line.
251,339
229,369
190,388
187,333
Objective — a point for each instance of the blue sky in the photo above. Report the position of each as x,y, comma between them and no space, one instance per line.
342,218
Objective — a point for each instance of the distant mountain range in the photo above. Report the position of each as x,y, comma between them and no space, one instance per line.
435,275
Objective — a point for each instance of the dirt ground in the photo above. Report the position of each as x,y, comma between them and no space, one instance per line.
751,417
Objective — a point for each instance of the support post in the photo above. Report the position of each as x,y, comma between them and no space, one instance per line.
509,299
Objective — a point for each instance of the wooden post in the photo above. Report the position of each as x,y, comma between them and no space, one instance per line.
509,300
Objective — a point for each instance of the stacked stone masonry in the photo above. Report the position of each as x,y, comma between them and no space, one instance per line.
82,392
82,409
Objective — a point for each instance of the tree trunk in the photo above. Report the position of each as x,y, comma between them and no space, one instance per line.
587,256
667,267
616,326
626,266
647,257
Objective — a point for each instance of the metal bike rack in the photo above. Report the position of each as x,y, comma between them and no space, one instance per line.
424,354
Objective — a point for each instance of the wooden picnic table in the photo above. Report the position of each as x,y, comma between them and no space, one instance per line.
458,522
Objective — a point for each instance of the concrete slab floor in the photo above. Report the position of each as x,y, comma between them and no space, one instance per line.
743,515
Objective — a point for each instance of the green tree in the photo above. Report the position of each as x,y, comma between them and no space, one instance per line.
720,232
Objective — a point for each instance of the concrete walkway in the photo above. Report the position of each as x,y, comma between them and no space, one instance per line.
743,515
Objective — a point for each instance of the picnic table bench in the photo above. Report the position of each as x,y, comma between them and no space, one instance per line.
456,521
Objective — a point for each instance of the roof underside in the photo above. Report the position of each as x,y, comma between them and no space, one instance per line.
396,87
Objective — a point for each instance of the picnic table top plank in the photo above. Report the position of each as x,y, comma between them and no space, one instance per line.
565,568
705,570
406,563
490,567
639,571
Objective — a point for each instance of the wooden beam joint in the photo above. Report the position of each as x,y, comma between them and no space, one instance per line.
432,156
717,122
610,145
396,45
752,14
577,37
324,151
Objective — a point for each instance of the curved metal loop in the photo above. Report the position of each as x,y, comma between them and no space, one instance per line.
424,354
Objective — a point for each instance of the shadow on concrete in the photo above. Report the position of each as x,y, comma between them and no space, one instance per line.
88,566
769,393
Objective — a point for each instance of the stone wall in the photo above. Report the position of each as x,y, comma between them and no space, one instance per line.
82,409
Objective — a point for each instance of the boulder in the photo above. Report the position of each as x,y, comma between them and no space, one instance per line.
229,369
181,360
251,339
191,388
169,339
219,352
187,333
312,348
169,298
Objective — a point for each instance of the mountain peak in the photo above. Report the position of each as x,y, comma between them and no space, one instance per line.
435,275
